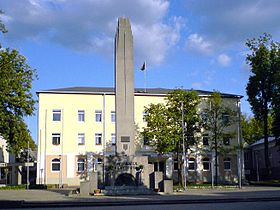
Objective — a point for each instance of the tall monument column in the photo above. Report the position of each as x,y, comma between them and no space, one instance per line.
124,88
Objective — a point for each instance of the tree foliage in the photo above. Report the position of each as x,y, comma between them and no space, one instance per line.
164,121
217,116
252,129
16,100
261,89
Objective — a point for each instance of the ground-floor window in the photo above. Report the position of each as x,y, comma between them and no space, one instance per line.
56,164
206,164
81,165
191,164
227,164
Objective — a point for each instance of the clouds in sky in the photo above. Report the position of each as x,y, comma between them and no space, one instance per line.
224,60
226,23
90,25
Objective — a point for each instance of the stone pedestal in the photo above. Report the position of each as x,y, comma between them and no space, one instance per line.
93,182
168,186
158,180
84,188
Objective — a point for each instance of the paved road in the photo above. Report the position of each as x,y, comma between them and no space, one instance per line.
45,198
272,205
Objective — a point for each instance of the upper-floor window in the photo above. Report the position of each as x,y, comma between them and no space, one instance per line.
206,164
56,115
113,138
98,138
192,164
56,164
81,138
56,138
226,140
113,116
227,164
225,118
144,114
205,139
98,116
81,115
81,164
204,117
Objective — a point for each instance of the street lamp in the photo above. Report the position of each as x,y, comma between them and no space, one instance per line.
184,149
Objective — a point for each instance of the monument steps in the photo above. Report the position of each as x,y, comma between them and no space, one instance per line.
128,190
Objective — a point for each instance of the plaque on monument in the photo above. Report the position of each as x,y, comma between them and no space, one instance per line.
125,139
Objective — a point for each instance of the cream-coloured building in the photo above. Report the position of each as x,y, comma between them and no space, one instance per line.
78,123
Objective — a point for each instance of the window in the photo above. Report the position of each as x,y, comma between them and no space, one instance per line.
98,116
113,138
81,139
113,116
56,138
81,115
204,117
98,138
191,140
225,118
144,114
56,164
226,140
175,164
205,140
56,115
191,164
227,165
206,164
146,141
81,165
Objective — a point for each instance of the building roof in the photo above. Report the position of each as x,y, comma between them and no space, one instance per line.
261,141
138,91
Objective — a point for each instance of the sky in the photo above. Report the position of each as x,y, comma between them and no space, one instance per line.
185,43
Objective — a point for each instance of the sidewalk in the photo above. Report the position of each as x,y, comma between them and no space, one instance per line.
40,198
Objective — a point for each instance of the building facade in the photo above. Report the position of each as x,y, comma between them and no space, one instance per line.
254,160
76,130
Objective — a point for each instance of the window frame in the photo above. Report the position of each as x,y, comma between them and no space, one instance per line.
81,161
205,136
81,115
55,114
113,139
98,116
81,136
226,140
191,161
113,116
98,136
227,161
225,119
56,161
206,160
56,136
144,114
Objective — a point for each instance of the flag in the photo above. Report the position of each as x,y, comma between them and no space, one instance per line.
143,68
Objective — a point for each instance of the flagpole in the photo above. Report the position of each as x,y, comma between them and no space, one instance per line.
145,80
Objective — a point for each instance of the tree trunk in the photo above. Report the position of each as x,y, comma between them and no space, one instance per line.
265,122
216,161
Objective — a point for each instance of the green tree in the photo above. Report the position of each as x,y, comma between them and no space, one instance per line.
252,129
264,62
164,122
217,116
16,100
276,98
